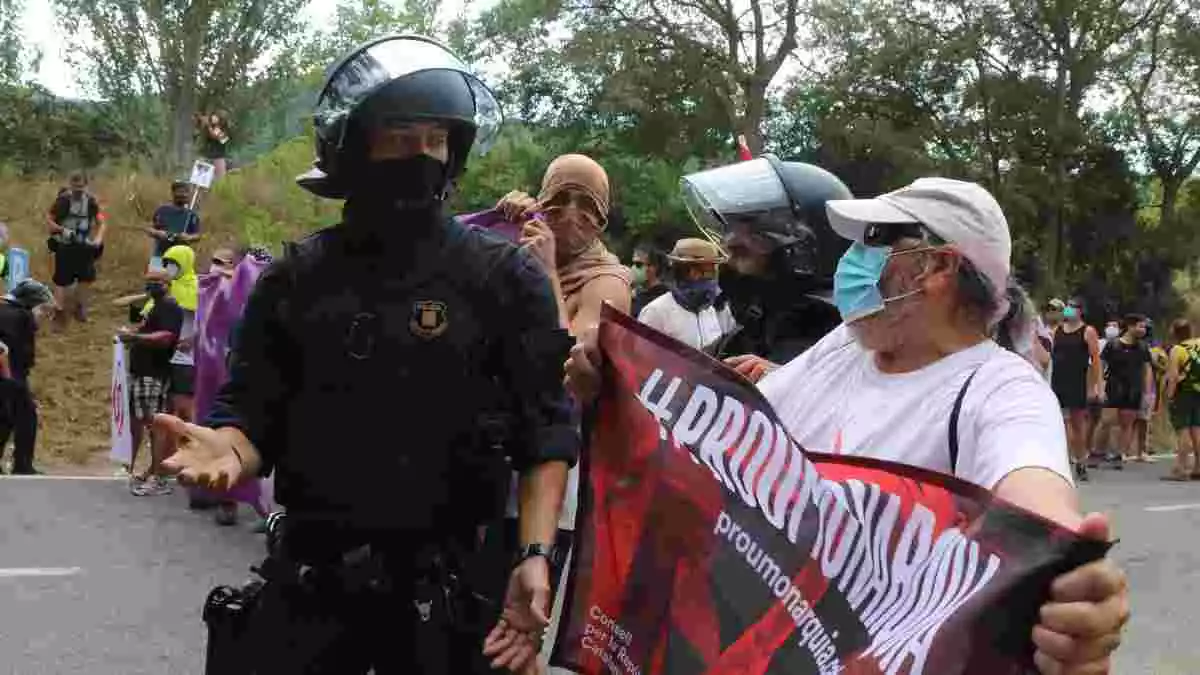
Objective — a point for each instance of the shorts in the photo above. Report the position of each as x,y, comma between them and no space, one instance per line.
1122,398
183,379
147,396
1185,411
74,263
1072,393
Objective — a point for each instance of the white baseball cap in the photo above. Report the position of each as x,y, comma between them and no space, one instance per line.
964,214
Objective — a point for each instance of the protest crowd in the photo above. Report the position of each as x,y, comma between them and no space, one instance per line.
888,328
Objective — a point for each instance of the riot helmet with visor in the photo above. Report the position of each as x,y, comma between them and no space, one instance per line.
771,206
391,100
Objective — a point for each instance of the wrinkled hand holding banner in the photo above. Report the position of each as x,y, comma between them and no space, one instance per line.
709,542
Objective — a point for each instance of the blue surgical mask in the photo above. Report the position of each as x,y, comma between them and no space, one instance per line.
1070,313
856,282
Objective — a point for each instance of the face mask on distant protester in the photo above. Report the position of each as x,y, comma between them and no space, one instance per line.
172,270
156,291
1112,332
639,276
1070,313
856,290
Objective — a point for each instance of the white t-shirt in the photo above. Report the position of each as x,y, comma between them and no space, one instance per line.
695,329
833,398
187,332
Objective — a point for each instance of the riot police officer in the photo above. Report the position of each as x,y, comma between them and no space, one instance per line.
769,215
390,369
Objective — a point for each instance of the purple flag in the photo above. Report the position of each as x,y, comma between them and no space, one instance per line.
222,300
493,220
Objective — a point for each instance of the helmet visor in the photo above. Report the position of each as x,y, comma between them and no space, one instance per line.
370,68
718,198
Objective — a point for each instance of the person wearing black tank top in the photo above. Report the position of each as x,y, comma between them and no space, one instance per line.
1076,378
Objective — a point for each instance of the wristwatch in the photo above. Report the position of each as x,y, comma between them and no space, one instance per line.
547,551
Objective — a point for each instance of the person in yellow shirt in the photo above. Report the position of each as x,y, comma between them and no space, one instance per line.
1183,393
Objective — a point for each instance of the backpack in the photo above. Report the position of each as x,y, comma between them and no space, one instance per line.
1189,372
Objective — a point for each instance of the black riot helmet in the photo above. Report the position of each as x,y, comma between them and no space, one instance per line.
394,81
781,203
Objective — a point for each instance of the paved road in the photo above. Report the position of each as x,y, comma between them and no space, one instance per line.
133,607
1159,527
145,565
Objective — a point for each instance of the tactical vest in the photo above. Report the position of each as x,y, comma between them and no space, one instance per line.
399,414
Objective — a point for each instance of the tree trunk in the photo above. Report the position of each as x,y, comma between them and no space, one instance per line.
183,107
183,111
1059,162
751,122
1170,197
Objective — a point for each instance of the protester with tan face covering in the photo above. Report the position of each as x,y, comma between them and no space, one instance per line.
572,211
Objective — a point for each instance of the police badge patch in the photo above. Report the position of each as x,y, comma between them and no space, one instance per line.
428,319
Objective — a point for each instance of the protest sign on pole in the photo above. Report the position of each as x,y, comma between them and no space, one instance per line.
202,174
122,438
201,178
708,541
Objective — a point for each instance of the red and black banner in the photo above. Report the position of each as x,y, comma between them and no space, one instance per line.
708,542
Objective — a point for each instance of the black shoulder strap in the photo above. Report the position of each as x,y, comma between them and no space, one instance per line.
962,393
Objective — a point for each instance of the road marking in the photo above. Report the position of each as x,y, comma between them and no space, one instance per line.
63,477
6,572
1173,507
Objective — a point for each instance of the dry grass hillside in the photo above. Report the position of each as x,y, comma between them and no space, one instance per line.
258,205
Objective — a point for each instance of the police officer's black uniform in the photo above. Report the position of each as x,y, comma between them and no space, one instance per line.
788,309
385,369
18,331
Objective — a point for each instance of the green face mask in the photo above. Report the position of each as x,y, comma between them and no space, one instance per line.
639,276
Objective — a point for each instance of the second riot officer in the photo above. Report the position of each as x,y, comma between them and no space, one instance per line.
769,216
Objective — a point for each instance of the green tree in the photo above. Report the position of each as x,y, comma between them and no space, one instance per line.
1161,84
171,59
670,72
10,42
1074,43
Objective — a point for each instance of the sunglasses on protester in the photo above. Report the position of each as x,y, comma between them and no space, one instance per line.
889,234
221,262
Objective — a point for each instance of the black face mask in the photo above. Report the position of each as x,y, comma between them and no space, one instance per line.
743,292
156,291
397,185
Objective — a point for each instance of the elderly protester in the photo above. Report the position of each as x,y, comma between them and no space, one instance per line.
562,227
920,290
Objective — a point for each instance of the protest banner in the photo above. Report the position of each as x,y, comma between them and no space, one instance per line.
122,437
218,310
17,269
709,542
